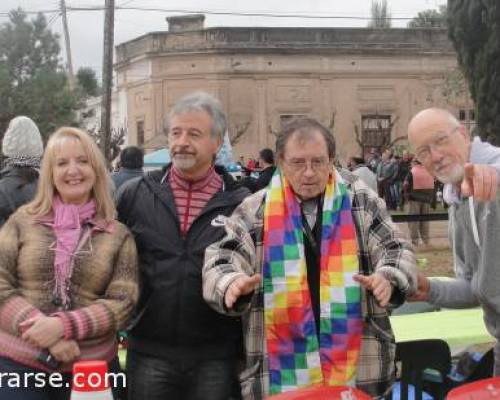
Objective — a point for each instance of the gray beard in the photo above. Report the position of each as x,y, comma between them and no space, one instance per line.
183,163
455,177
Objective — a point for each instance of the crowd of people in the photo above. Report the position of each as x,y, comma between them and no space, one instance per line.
231,289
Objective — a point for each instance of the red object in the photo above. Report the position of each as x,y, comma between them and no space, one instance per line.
480,390
323,393
90,376
251,164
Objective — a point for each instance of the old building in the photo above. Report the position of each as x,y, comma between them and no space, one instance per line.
365,84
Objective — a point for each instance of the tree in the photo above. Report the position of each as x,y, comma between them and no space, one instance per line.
430,19
474,29
380,15
87,81
117,140
32,80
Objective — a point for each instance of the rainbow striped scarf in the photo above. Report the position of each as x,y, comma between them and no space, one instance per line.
296,357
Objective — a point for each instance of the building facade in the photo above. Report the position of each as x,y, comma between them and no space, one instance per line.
364,84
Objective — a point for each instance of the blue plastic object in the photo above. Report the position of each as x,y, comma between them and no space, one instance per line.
396,393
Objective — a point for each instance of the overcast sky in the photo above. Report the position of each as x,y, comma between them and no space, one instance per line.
86,27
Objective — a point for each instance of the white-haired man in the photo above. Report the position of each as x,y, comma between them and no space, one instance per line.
468,168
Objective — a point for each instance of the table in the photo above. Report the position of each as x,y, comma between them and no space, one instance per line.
459,328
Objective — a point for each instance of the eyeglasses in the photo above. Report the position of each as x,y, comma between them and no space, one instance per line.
300,165
438,144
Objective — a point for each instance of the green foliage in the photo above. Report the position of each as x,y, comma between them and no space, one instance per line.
430,19
380,15
87,80
474,28
32,81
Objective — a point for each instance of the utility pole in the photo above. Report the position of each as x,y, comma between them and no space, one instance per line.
71,75
107,78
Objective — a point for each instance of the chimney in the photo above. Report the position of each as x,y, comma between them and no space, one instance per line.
185,23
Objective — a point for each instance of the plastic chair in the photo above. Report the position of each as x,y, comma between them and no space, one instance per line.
484,368
472,368
480,390
416,357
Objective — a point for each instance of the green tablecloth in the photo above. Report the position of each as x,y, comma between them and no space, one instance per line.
460,328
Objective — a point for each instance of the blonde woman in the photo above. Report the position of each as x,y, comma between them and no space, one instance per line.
68,270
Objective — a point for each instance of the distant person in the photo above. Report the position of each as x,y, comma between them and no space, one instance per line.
251,165
387,171
241,162
358,167
131,163
23,148
419,186
373,160
244,170
266,160
404,166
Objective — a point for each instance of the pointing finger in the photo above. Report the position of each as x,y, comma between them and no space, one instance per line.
478,184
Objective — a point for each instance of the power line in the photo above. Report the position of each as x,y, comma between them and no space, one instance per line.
226,13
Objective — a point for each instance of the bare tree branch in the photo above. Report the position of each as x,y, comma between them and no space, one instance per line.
272,131
117,139
357,136
238,131
331,124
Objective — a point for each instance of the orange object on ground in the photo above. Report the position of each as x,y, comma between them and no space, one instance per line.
484,389
323,393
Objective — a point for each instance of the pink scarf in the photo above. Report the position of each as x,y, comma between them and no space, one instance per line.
67,224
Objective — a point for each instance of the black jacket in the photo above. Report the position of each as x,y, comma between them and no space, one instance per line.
172,317
17,187
265,176
124,175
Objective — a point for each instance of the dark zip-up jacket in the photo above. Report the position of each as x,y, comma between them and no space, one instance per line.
16,189
172,318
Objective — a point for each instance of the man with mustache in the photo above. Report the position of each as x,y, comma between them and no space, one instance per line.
469,169
180,348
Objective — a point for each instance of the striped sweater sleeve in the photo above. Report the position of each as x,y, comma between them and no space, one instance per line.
110,312
14,308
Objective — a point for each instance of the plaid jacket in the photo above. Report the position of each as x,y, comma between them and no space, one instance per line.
381,248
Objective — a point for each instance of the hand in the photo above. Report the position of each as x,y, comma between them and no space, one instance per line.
480,182
65,350
379,286
423,288
42,331
239,287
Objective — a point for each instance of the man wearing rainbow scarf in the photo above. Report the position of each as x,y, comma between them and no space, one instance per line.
311,263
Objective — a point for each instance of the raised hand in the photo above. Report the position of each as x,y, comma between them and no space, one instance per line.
480,182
